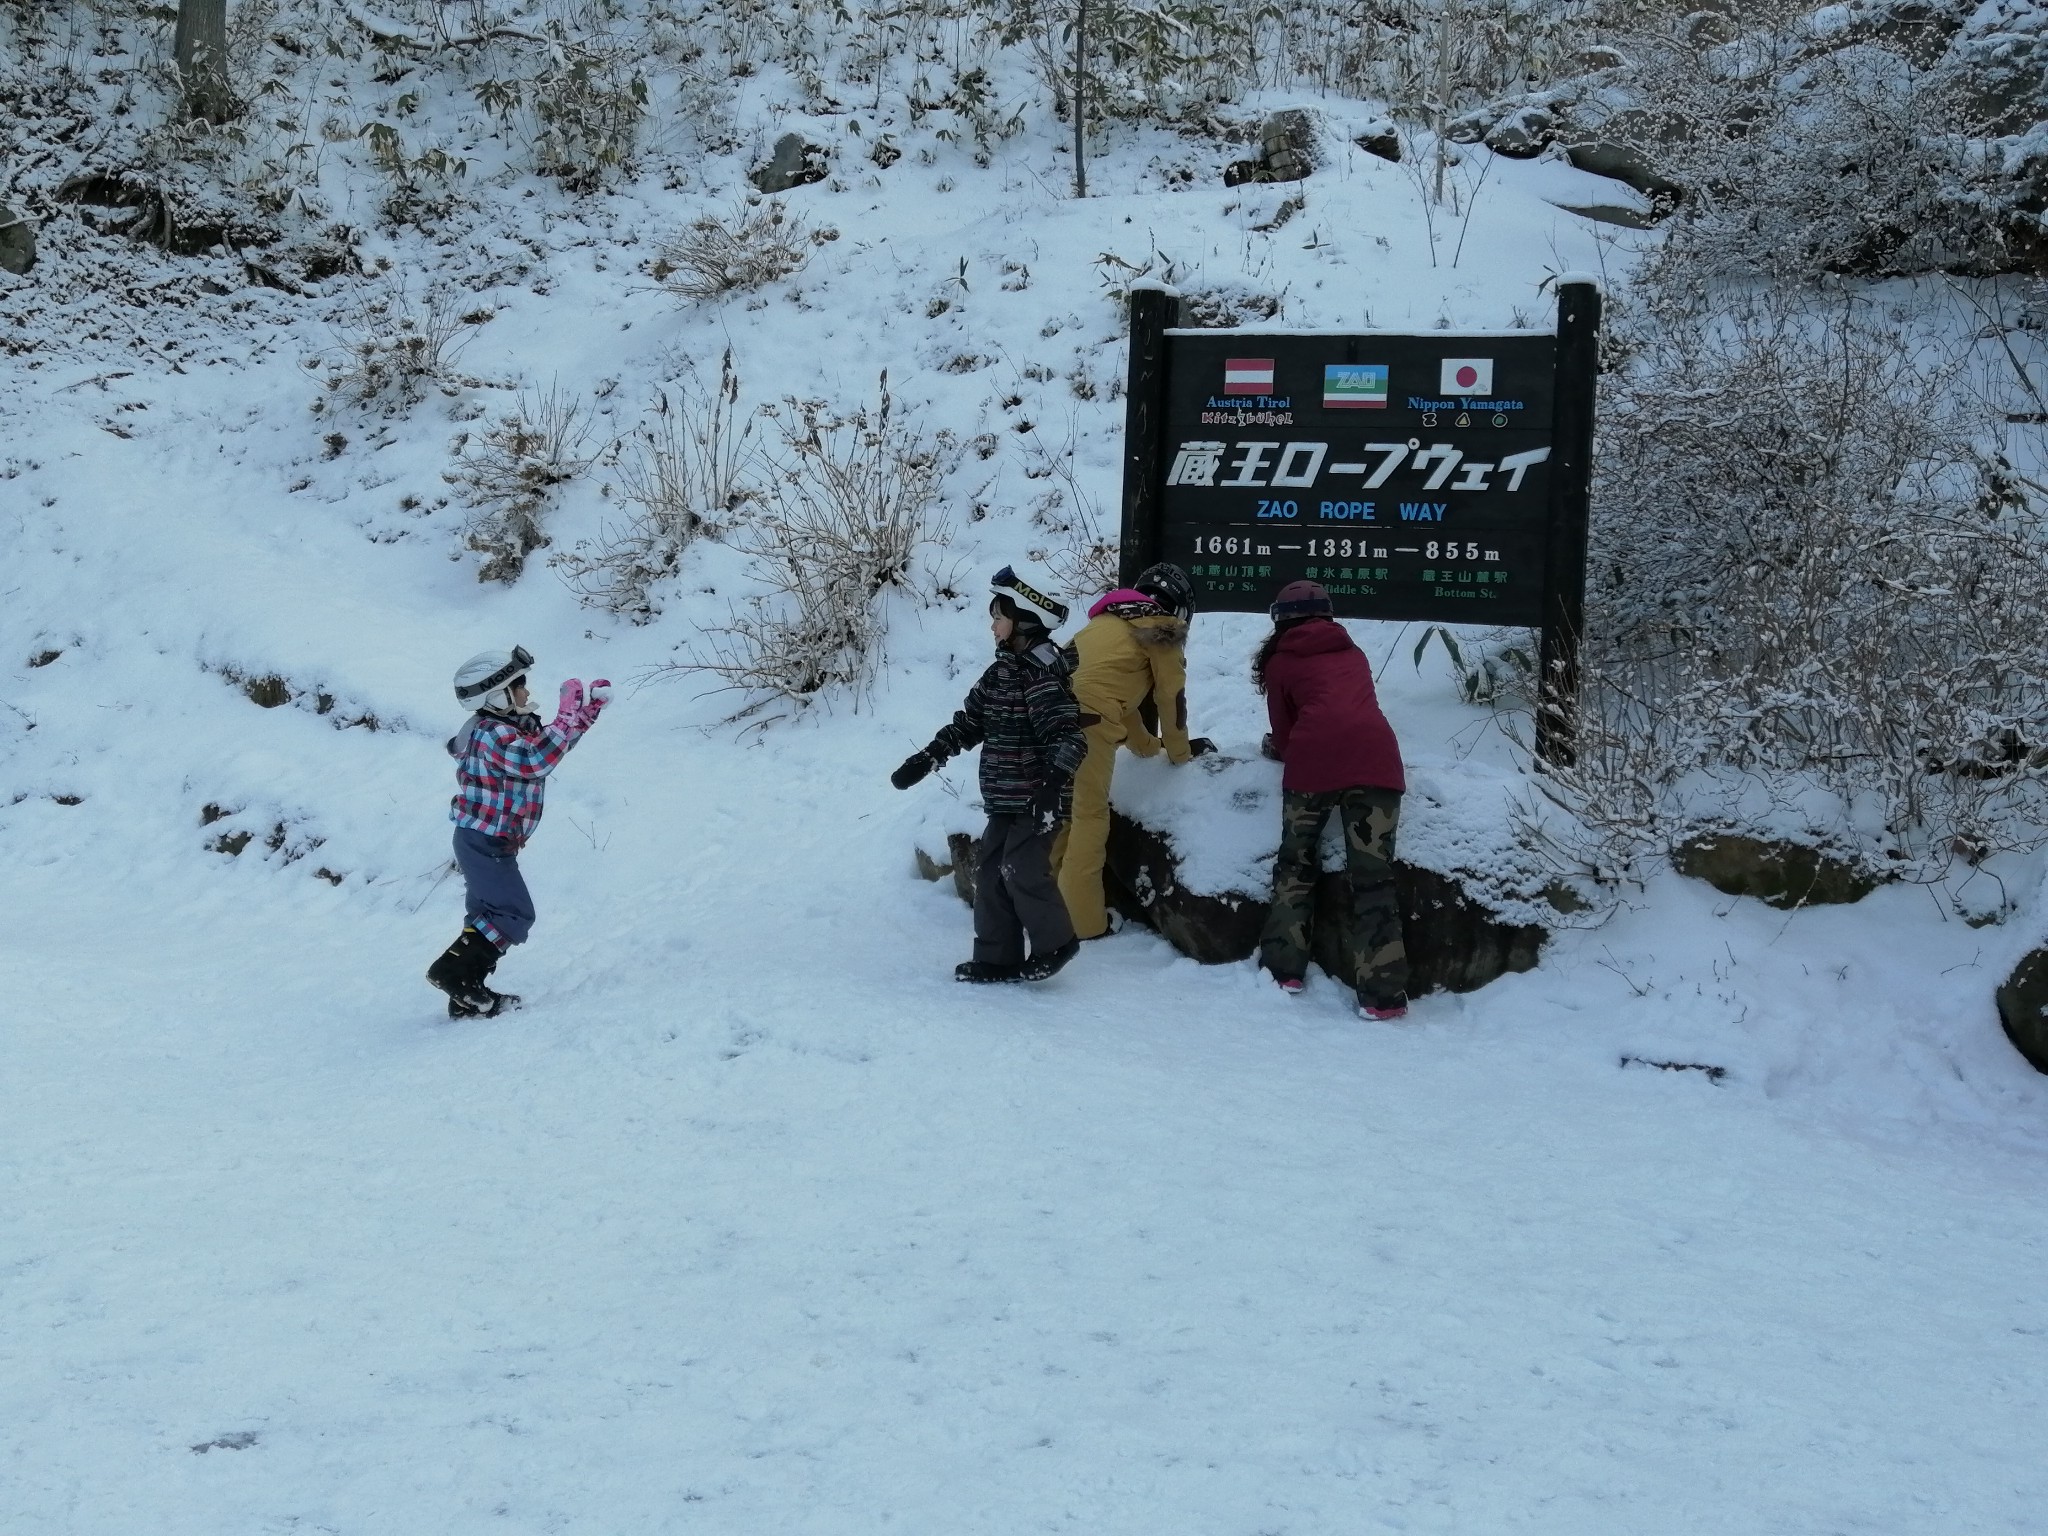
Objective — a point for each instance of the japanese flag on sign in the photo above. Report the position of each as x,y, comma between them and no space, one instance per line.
1467,376
1248,376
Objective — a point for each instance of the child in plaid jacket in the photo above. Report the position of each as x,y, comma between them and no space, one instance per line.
503,757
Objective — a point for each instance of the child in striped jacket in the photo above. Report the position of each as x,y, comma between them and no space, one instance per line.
1022,715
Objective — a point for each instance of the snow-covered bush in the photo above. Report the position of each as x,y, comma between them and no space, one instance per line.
689,473
1811,592
391,348
756,244
1796,159
850,504
507,474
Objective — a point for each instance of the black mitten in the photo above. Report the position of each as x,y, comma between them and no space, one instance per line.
1045,805
1201,746
914,768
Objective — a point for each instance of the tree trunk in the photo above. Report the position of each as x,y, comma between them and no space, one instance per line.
202,54
1081,99
1447,21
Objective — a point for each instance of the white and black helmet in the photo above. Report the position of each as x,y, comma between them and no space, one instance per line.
1027,598
487,679
1168,586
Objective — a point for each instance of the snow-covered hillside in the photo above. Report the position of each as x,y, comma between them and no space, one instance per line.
753,1220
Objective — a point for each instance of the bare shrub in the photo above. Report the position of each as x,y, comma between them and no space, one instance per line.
687,474
1166,59
1493,667
507,475
849,509
1813,600
1425,58
757,244
1080,552
391,349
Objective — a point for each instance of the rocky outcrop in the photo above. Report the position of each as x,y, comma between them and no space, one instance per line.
2023,1009
795,163
1287,151
1455,944
957,865
1524,133
1618,155
1785,875
1382,139
1141,878
17,241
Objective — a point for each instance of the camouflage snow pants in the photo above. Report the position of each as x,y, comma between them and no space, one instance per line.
1378,954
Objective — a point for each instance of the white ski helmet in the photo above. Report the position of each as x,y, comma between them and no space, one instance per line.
487,679
1027,595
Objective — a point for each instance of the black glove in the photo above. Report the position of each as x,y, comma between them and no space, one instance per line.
1266,747
1045,805
1201,746
914,768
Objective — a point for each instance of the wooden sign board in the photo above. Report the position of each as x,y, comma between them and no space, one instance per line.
1440,478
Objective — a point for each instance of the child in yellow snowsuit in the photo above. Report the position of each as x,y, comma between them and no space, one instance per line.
1133,648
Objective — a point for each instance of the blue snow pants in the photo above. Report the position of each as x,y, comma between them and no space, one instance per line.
495,901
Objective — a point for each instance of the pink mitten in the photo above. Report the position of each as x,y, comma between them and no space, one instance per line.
600,695
572,699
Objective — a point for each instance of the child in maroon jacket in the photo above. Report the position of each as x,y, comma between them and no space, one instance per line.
1339,755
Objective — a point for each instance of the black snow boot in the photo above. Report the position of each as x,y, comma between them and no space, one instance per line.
983,971
1039,967
497,1003
460,972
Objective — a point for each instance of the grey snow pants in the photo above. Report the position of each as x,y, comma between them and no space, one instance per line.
1015,894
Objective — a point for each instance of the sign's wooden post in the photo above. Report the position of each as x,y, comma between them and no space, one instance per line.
1154,311
1571,483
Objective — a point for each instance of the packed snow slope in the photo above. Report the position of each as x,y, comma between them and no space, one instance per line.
753,1221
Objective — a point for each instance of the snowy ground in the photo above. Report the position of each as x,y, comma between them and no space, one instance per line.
753,1220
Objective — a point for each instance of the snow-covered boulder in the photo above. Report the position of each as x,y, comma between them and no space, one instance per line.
1524,133
2023,1009
1779,873
1455,944
1191,851
795,163
1287,150
1191,854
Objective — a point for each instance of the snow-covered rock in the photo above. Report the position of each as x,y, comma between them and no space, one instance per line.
2023,1008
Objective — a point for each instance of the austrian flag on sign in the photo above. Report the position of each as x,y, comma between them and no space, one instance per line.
1467,376
1248,376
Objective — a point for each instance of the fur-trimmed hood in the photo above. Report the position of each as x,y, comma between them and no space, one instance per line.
1159,628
